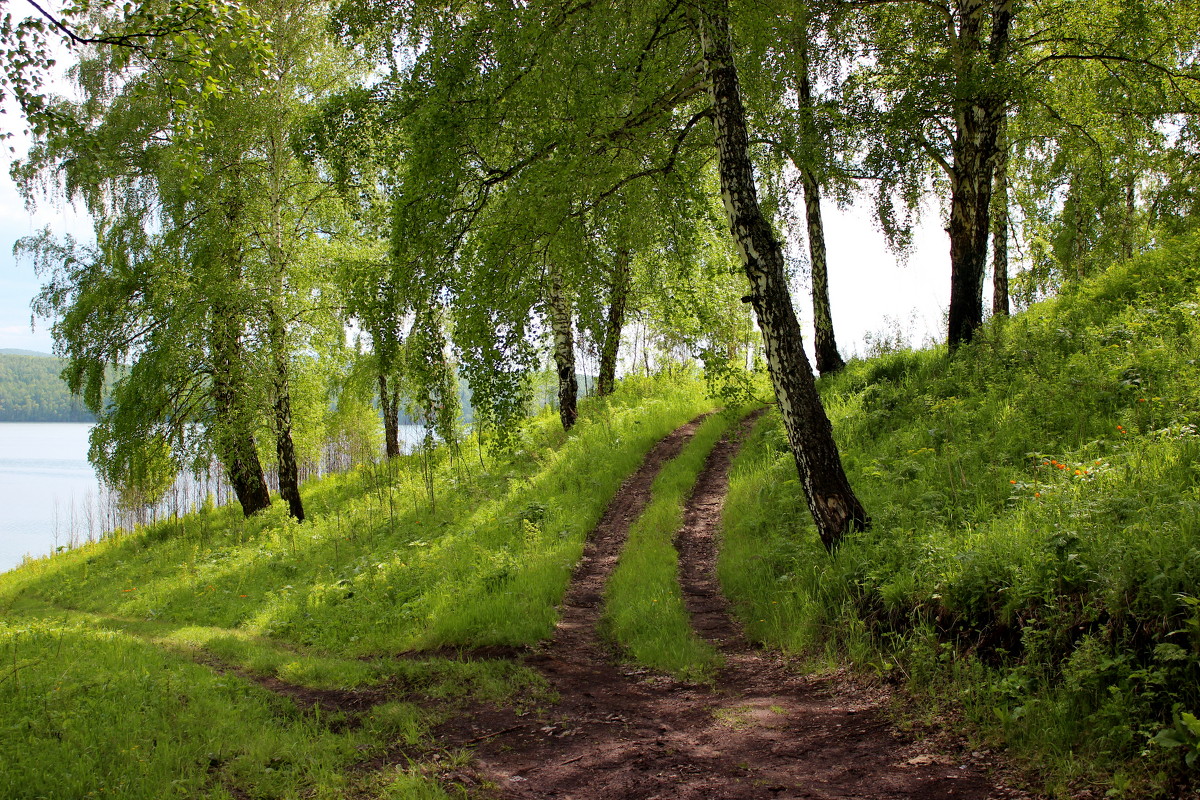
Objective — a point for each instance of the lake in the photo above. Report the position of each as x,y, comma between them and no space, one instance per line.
49,494
45,480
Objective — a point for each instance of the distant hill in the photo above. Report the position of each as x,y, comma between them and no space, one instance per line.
10,351
32,390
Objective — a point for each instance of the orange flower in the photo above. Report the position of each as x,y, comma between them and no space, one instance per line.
1013,482
1062,466
1037,494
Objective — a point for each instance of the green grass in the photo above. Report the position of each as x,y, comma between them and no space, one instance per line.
644,611
376,570
128,664
1035,554
97,713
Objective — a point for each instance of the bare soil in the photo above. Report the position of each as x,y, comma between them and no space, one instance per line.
761,730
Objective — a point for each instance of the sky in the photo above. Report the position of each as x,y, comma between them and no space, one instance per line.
18,283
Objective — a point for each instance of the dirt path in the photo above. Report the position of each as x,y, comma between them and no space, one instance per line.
761,731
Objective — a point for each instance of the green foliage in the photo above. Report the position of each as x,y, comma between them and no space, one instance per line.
1036,538
32,390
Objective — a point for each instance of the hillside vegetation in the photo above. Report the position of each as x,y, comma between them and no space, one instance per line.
1035,552
32,390
1033,564
101,694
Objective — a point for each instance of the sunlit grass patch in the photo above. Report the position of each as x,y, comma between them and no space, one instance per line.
376,569
103,714
176,621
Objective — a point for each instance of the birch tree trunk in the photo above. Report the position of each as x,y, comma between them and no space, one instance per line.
977,129
564,347
389,404
285,448
233,436
615,323
834,507
824,342
1000,304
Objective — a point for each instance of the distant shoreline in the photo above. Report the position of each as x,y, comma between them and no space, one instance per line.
32,390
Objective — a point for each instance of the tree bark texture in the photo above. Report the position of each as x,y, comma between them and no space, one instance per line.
977,129
614,324
234,439
1127,240
389,404
824,342
564,348
285,448
835,508
1000,304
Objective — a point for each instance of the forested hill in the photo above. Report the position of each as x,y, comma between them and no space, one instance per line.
32,390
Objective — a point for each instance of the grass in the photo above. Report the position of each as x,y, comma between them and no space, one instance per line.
129,664
1035,553
644,611
97,713
377,570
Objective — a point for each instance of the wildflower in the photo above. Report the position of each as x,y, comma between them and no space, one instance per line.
1014,483
1078,472
1037,494
1097,461
243,595
1062,466
1141,399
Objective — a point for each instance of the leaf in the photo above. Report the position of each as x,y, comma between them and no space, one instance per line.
1167,737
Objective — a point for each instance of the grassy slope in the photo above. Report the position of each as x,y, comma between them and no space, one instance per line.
100,690
1035,555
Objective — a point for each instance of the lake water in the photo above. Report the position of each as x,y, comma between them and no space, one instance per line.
49,494
45,480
